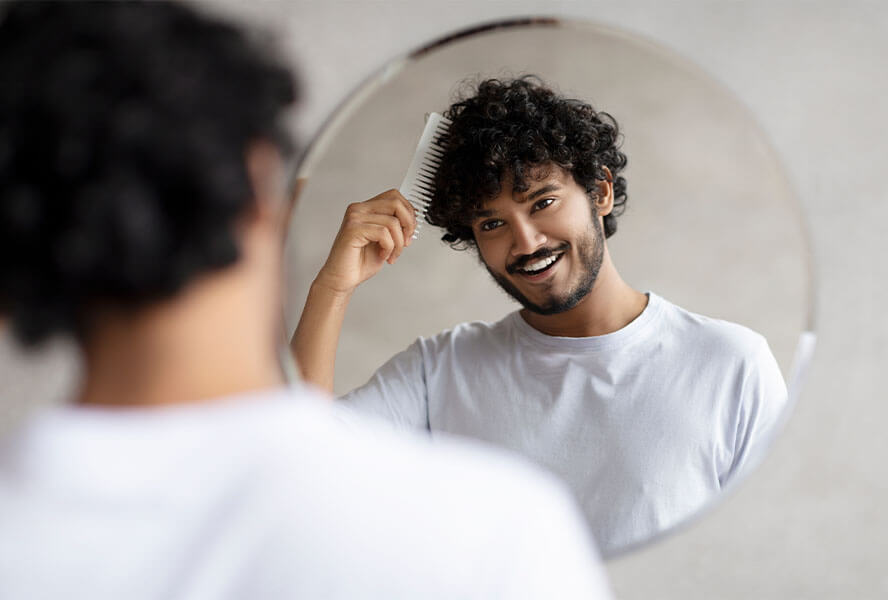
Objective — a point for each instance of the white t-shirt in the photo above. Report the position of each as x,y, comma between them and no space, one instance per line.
275,495
645,424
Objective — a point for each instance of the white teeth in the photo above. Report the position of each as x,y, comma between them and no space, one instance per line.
541,264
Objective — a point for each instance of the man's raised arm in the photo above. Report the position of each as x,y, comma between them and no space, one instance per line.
372,233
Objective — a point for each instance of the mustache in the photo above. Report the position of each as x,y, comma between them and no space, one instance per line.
522,261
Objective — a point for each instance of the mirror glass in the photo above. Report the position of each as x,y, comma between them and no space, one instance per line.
646,434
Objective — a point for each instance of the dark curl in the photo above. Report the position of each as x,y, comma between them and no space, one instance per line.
123,129
511,129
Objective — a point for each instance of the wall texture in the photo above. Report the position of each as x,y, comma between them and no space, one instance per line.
810,523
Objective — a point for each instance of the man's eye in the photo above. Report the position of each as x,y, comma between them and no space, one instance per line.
543,204
490,225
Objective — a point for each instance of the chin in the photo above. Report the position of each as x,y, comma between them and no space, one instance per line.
551,304
554,304
552,307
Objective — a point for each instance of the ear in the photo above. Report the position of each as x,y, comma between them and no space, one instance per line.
604,199
293,199
266,173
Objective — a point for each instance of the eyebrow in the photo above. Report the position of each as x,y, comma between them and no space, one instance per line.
551,187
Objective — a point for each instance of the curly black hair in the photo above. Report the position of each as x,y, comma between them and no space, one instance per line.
511,128
123,130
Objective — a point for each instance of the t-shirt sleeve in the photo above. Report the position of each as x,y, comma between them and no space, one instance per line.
761,411
396,392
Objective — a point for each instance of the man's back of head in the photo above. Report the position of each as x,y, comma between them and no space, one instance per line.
122,169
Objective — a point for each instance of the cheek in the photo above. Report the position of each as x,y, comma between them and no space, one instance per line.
578,225
490,254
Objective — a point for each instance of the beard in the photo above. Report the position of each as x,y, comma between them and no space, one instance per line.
590,249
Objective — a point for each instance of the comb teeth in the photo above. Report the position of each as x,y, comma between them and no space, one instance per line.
419,183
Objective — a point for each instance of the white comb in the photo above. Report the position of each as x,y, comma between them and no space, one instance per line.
419,183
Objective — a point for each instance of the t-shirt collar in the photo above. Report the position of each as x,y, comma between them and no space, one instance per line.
620,338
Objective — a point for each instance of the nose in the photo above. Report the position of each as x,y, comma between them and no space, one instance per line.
526,238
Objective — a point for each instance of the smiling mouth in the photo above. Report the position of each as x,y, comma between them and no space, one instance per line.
540,266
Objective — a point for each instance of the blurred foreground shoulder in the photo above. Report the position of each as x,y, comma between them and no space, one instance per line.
374,513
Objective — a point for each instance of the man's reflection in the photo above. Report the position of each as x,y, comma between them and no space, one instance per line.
646,409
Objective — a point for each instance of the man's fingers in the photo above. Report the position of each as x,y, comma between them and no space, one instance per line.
392,202
393,224
405,212
382,236
407,216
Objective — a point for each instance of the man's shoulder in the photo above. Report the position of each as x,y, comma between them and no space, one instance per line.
713,335
297,484
470,333
366,468
321,433
351,483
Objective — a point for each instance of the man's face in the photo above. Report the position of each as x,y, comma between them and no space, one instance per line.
544,246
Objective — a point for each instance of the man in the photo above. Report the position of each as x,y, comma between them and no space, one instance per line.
141,171
647,410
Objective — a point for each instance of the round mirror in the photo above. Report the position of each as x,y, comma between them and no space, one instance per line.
647,423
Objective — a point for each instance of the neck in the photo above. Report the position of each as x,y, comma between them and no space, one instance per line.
610,305
216,338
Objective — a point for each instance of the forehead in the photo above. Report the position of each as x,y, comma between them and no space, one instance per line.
537,178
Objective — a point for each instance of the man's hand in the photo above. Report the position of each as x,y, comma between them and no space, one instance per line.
372,233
